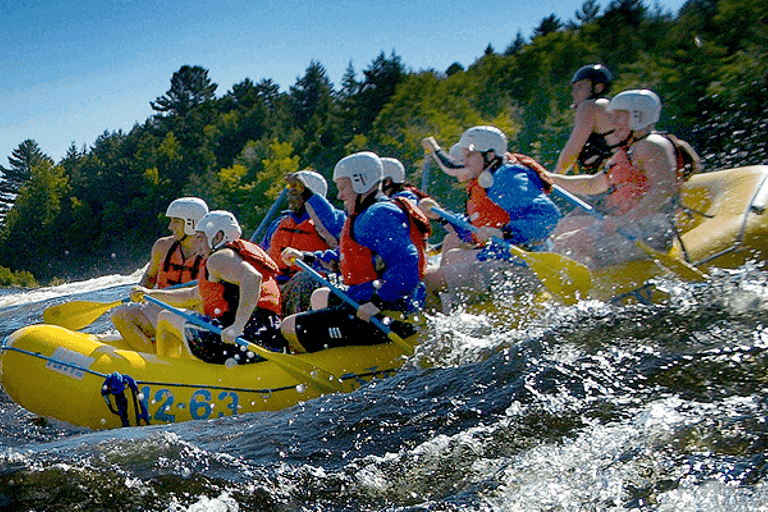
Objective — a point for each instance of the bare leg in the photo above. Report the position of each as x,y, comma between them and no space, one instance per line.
134,323
170,336
288,328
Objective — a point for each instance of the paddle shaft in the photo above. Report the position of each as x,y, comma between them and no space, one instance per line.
404,345
293,367
458,221
562,276
269,217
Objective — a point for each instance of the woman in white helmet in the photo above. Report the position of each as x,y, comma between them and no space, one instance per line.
377,258
507,199
174,259
237,291
311,223
640,182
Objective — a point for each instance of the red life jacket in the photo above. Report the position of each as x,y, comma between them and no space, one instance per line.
356,261
300,235
176,269
220,298
481,210
626,184
420,228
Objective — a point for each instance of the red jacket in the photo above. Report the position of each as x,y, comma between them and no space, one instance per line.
356,261
626,184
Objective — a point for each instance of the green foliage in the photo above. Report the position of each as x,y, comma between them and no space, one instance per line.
100,208
11,279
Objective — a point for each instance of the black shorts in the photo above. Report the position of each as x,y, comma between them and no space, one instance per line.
262,328
339,326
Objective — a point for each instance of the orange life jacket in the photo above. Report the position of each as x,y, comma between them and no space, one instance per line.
626,184
299,235
176,269
356,261
220,298
482,211
420,228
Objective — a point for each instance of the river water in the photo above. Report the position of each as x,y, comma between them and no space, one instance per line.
586,407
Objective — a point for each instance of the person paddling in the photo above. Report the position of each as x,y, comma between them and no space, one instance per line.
506,200
378,260
587,149
641,182
175,259
237,291
311,223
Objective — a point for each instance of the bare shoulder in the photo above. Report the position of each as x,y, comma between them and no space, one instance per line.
162,246
655,154
655,145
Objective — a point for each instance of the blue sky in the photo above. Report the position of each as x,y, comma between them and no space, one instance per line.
71,70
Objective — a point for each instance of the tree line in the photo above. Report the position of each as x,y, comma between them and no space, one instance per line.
99,209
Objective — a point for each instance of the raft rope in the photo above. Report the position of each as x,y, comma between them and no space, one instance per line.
115,385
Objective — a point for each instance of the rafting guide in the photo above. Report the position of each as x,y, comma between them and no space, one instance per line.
174,260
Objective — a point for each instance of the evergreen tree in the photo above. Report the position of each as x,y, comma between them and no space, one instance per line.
380,81
547,26
22,159
588,13
516,45
190,87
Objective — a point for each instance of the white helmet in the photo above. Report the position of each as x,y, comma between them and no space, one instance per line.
393,169
484,138
314,181
364,169
190,210
644,107
220,220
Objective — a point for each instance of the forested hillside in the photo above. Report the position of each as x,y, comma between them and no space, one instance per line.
99,209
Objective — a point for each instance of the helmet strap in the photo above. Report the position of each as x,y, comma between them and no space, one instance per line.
364,201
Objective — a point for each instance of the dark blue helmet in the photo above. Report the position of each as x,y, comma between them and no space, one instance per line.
595,73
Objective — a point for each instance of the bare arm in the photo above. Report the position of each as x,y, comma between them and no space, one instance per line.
159,250
584,184
584,125
229,267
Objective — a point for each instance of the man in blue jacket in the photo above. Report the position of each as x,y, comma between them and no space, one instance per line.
378,260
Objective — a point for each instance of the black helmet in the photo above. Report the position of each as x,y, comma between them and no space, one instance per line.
595,73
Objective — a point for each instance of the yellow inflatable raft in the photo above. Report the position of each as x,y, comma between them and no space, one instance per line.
56,372
68,375
722,223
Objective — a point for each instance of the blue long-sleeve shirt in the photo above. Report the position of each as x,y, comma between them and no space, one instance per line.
519,191
384,228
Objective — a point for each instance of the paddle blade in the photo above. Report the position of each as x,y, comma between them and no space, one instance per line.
566,278
77,314
680,267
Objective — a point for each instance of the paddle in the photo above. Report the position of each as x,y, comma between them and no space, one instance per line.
77,314
269,217
400,342
681,267
561,275
299,368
